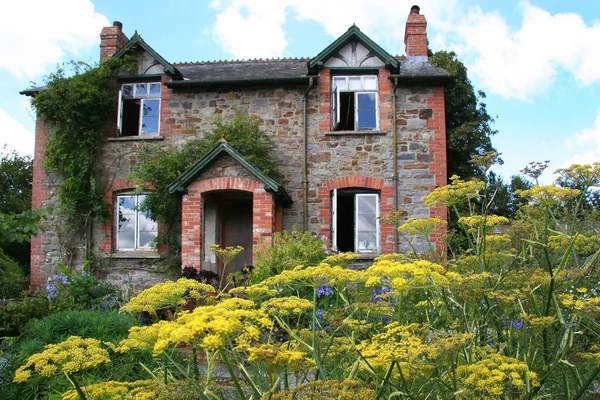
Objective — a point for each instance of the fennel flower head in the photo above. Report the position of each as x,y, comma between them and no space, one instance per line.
73,355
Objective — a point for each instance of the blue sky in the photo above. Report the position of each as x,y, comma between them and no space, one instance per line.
536,60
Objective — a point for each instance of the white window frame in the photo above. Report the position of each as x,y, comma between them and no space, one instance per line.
335,98
136,232
334,219
143,99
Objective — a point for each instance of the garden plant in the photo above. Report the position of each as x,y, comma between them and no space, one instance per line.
515,316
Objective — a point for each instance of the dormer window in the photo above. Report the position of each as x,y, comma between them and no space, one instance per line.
354,103
139,109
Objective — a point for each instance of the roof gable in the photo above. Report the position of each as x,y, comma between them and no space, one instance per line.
350,37
136,42
222,147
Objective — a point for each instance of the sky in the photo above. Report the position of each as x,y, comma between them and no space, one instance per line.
537,60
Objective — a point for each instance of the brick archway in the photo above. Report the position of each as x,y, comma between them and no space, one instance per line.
265,214
357,181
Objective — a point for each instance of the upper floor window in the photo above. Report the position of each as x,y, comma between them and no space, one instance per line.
139,109
354,103
135,230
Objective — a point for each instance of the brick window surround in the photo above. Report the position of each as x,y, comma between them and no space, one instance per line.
363,182
266,215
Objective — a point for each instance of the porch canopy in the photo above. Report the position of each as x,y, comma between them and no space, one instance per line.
227,200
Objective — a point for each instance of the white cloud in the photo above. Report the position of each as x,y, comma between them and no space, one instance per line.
585,145
37,34
521,63
255,28
14,135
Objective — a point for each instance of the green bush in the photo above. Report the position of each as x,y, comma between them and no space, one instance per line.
110,326
71,290
15,315
289,250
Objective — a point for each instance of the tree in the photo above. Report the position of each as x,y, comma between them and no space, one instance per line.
15,183
15,199
468,124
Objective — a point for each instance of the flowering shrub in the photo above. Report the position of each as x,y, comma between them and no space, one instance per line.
79,291
516,316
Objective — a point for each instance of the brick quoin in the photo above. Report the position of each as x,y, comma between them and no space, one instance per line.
264,215
355,181
438,166
39,195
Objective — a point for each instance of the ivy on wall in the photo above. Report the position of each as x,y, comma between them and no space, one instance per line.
158,167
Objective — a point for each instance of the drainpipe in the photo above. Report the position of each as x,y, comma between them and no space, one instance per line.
395,160
305,157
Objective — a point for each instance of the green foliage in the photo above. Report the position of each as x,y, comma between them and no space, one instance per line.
289,250
504,198
75,291
468,124
77,103
159,167
15,315
108,326
15,183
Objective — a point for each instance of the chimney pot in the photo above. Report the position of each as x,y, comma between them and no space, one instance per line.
119,25
415,35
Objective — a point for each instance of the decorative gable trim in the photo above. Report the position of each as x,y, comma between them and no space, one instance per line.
181,183
353,34
137,41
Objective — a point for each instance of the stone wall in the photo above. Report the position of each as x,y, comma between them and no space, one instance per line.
185,114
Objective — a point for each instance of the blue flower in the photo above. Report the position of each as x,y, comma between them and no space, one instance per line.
52,291
320,313
62,278
385,320
375,298
517,325
85,274
324,290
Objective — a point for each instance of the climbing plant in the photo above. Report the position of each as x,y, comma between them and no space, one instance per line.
158,167
77,103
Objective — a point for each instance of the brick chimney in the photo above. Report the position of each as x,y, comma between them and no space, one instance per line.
415,35
112,39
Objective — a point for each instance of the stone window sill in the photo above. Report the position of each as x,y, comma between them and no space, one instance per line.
134,138
346,133
368,256
135,255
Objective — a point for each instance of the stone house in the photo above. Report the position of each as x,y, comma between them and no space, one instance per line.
357,133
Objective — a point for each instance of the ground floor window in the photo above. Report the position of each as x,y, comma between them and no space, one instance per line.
135,230
355,226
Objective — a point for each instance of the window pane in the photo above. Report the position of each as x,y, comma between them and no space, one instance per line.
146,238
369,83
366,223
127,204
367,101
127,91
141,90
367,120
145,223
355,83
340,83
155,90
150,114
125,240
366,204
367,241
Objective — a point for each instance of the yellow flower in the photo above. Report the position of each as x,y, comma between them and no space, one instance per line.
494,377
286,306
422,226
70,356
476,221
457,192
211,327
167,294
549,196
138,390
